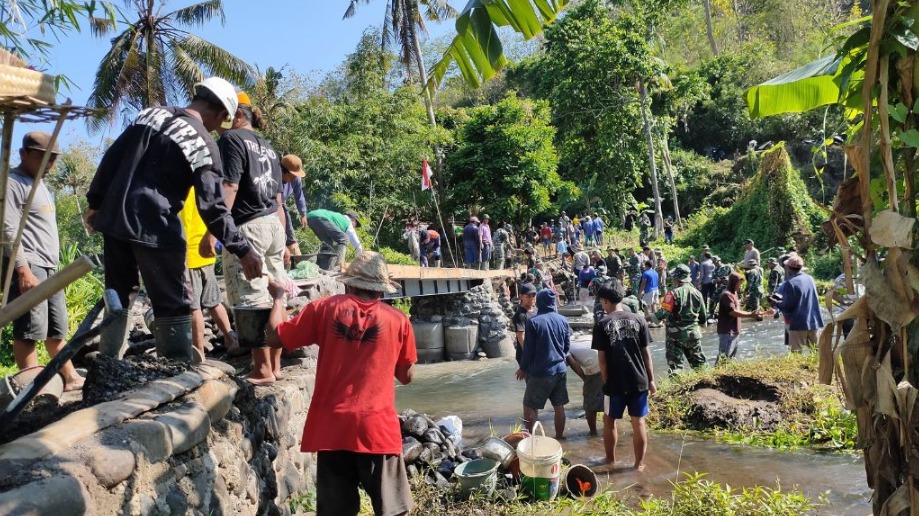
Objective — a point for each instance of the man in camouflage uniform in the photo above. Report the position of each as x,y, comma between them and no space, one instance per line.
631,302
634,270
776,275
644,230
596,284
683,310
501,240
754,277
613,263
720,277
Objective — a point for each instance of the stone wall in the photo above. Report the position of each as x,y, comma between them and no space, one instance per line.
202,442
480,306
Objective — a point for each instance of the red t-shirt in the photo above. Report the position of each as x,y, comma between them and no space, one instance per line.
546,232
354,401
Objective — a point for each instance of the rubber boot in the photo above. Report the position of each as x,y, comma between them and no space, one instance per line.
173,338
114,337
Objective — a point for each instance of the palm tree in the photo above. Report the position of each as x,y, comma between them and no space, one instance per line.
155,61
403,22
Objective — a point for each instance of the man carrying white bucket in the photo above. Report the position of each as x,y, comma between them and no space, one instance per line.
622,339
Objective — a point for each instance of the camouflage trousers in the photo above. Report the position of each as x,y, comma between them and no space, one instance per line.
677,347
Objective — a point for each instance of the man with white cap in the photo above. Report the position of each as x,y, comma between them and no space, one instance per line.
134,201
352,422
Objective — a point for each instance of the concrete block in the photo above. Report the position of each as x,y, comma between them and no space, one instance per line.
188,425
58,495
153,436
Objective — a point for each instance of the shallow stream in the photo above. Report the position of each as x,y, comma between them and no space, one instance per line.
486,396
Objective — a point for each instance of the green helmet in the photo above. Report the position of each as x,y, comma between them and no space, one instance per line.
722,272
680,273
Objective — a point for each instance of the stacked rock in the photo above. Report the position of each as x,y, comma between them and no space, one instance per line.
428,449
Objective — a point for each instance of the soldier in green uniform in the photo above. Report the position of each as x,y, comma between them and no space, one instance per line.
634,269
683,310
596,284
754,276
776,275
644,229
720,280
613,263
631,302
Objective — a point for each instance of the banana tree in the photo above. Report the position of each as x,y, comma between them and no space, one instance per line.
477,49
875,75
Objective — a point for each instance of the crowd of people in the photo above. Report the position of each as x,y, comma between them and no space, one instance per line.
166,197
633,291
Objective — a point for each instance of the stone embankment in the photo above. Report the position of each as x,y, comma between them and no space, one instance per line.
201,442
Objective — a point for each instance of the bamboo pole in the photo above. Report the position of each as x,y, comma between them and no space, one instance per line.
6,143
45,289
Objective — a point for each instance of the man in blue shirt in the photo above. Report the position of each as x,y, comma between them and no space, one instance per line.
546,343
472,243
798,300
650,288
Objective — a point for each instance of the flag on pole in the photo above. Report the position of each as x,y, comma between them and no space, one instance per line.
426,174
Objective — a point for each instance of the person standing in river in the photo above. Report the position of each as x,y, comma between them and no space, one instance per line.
683,309
546,343
729,316
799,302
527,293
621,339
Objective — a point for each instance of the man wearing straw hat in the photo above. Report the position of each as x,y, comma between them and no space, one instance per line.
36,257
352,422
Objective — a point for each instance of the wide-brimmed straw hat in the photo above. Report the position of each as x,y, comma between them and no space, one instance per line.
369,272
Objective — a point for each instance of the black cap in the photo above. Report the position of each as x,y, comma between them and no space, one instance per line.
527,289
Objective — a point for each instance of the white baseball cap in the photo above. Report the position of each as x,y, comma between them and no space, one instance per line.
224,91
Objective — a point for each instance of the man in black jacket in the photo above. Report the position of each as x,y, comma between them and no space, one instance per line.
134,200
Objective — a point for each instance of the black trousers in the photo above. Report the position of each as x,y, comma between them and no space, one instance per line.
162,270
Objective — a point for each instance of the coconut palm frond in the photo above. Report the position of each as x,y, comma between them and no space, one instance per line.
198,14
113,76
187,72
218,61
438,10
352,8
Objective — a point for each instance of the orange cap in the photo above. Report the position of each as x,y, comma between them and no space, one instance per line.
243,98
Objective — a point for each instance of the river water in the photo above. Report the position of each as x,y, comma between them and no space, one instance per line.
487,397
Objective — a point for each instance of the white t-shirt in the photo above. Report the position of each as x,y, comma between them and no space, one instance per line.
588,359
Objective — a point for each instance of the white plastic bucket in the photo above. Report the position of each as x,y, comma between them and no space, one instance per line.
540,465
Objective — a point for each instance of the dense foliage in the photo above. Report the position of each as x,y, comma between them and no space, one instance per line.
505,161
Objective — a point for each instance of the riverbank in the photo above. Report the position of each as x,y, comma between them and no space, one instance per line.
773,401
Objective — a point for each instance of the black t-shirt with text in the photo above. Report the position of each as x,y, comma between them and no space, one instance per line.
250,162
623,336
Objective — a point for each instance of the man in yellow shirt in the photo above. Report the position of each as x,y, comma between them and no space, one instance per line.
205,289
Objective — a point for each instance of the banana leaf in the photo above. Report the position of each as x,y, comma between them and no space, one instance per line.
477,50
802,89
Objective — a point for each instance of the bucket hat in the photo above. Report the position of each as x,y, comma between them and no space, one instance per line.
293,164
369,272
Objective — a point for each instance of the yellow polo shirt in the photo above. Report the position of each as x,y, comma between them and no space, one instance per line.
194,232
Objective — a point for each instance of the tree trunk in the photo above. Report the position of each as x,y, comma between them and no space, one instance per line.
151,100
708,26
668,166
646,118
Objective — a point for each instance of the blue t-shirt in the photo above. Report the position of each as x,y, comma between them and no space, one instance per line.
652,280
585,276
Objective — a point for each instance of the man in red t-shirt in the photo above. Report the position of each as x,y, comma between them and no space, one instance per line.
352,422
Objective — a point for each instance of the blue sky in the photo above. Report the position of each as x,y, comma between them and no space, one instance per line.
305,35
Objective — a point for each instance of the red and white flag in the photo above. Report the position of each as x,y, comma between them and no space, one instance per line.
426,175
